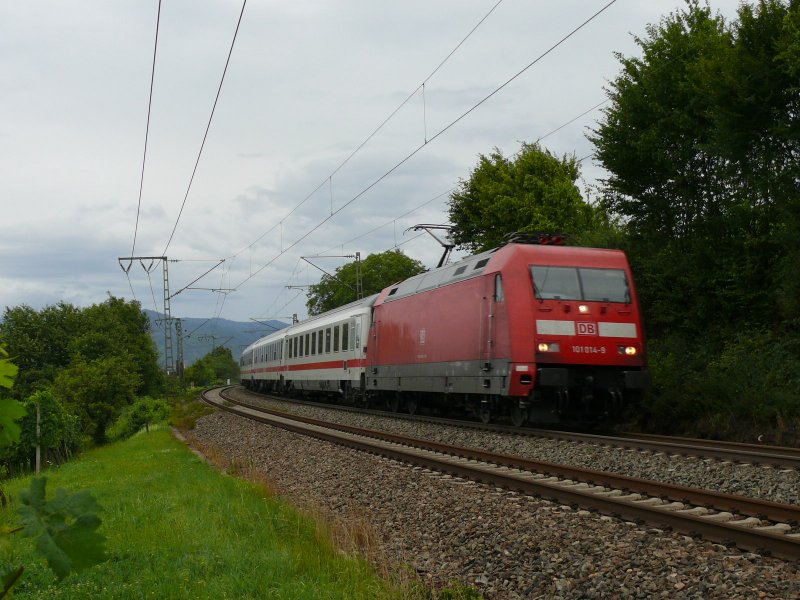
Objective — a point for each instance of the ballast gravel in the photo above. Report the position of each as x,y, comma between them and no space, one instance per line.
504,544
753,481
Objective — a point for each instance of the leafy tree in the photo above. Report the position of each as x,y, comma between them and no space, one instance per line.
534,191
38,341
116,328
47,341
702,143
216,366
377,272
58,437
97,391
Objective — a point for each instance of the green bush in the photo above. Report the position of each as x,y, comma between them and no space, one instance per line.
743,389
59,434
141,414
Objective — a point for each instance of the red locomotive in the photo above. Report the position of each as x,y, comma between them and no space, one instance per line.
536,330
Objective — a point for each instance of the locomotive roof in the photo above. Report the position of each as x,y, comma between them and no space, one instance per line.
475,265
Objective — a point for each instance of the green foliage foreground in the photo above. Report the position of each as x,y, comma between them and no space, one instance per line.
175,528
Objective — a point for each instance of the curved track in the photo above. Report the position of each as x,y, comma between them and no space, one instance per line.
783,457
758,525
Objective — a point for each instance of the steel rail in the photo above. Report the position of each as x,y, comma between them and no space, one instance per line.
777,456
768,449
754,507
631,507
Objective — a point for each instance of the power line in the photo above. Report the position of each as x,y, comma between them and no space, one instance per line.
328,179
146,134
437,135
208,126
405,214
408,157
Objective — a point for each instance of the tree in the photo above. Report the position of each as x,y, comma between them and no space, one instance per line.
702,143
216,366
38,341
97,391
701,140
377,272
58,433
116,328
46,341
535,191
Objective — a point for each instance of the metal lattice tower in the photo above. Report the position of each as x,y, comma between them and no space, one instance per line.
179,335
169,362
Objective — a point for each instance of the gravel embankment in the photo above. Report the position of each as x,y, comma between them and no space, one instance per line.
506,545
778,485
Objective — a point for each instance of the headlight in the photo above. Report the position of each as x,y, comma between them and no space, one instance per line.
583,309
549,347
628,350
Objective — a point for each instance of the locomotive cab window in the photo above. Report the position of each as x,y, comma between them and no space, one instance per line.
499,296
580,283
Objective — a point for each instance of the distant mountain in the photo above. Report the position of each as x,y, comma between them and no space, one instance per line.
201,336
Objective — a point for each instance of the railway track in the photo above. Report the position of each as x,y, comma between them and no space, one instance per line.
782,457
754,525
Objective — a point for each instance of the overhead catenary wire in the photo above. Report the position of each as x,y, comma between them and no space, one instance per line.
208,127
434,137
146,135
328,179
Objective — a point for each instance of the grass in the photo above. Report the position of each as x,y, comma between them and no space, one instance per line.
177,528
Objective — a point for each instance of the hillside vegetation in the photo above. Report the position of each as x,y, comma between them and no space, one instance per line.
176,528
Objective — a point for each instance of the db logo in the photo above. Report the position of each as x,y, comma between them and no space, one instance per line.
587,328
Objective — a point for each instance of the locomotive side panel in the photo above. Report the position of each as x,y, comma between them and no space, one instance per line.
438,340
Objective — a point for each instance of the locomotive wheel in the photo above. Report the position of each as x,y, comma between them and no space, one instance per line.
485,413
393,403
518,415
411,405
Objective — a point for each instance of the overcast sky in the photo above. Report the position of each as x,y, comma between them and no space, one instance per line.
308,82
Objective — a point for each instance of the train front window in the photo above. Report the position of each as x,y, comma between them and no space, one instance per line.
605,285
556,283
580,283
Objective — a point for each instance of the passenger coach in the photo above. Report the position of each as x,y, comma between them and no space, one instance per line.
323,354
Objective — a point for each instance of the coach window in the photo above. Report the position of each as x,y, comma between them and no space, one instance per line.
499,296
313,343
357,330
345,335
335,338
307,346
328,340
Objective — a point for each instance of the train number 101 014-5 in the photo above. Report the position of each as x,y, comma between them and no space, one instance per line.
589,349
